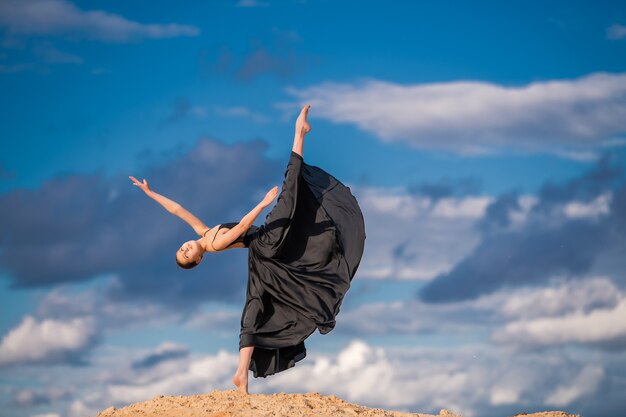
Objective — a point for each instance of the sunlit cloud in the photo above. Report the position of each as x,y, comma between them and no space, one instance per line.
478,117
565,230
412,235
506,313
603,327
48,341
61,17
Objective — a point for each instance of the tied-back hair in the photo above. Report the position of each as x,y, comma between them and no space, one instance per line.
188,265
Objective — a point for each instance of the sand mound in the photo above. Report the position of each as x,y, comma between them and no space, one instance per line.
232,403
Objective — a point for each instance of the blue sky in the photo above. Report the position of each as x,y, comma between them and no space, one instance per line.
484,142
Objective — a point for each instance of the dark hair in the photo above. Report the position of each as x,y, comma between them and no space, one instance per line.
188,265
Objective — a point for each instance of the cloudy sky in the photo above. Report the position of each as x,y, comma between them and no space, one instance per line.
485,143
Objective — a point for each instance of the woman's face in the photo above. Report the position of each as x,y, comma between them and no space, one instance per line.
189,251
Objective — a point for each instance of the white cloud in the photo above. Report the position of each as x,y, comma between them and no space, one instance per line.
47,340
242,112
519,215
503,395
61,303
606,326
370,364
414,317
176,377
222,321
112,380
79,408
359,372
396,202
168,347
69,324
455,208
415,237
584,155
477,117
599,206
251,3
166,351
469,380
513,382
52,55
616,31
566,298
495,310
585,383
55,17
46,395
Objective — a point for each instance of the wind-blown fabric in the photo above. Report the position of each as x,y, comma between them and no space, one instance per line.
301,263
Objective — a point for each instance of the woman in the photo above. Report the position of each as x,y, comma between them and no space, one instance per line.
300,262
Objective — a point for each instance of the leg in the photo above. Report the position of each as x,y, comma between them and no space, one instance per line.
241,376
272,234
302,128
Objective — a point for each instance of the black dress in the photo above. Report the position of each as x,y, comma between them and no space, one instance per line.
300,265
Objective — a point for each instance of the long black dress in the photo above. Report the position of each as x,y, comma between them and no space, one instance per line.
300,265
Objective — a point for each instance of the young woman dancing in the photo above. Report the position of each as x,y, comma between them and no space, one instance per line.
300,262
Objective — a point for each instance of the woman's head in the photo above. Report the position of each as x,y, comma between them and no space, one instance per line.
189,254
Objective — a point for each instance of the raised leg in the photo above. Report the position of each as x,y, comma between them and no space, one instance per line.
277,222
302,128
240,379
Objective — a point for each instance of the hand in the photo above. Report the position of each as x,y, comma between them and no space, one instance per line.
269,197
143,185
302,125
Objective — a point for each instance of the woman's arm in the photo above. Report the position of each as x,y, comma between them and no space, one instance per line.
222,241
172,206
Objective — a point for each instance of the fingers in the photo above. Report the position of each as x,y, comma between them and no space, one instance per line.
137,182
305,109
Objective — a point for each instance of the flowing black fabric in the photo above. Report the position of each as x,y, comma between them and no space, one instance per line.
300,265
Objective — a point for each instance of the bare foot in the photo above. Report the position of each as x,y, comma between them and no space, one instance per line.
241,381
302,125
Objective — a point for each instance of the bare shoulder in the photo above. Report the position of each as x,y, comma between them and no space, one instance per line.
226,236
210,235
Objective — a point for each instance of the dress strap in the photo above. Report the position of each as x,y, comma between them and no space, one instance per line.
214,236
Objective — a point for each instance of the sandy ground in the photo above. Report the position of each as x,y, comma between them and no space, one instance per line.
232,403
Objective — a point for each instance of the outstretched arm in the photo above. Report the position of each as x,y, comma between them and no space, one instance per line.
222,241
172,206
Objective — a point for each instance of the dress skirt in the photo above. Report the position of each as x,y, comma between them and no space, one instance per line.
300,265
